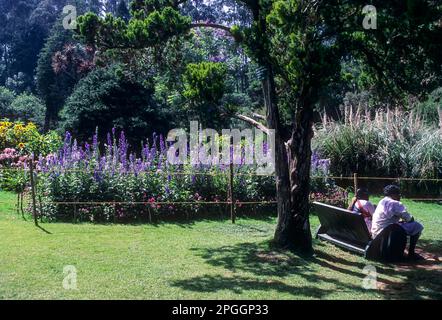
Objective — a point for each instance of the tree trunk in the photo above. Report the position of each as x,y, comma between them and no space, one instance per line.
284,229
292,170
300,163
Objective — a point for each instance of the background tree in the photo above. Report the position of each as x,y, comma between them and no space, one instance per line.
24,107
204,87
108,99
28,108
53,87
6,98
24,26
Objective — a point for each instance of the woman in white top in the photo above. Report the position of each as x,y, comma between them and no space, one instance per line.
362,206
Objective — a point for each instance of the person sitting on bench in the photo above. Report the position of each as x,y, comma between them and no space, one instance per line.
390,210
362,206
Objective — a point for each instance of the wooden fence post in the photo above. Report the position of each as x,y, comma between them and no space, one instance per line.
355,182
18,203
232,200
75,213
40,205
150,214
34,202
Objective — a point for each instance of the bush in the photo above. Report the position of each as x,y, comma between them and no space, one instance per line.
6,98
107,99
391,143
24,107
429,109
27,139
28,108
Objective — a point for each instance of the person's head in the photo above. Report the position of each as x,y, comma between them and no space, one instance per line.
362,194
393,191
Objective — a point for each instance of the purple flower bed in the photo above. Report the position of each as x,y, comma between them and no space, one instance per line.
142,185
108,182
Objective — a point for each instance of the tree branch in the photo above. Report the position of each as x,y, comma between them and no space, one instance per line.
252,122
259,116
213,26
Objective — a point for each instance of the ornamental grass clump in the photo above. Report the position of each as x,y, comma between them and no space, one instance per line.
385,143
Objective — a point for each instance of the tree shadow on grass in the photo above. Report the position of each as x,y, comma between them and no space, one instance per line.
183,220
259,266
43,229
241,284
421,279
188,221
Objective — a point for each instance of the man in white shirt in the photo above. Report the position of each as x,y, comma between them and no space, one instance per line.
390,210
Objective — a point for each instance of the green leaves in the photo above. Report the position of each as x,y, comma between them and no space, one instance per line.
204,82
88,27
141,31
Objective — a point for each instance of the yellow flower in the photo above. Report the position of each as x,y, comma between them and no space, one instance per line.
21,145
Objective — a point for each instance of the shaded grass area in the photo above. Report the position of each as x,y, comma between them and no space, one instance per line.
204,259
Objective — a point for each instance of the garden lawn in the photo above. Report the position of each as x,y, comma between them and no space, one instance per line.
206,259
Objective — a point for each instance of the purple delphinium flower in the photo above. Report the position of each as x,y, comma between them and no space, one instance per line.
162,144
123,149
109,142
265,147
87,150
95,150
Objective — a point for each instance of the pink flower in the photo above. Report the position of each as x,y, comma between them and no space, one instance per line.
9,151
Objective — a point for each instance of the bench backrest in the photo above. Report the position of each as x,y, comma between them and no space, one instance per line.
342,224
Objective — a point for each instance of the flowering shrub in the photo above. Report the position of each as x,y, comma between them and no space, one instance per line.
13,180
324,189
27,139
336,197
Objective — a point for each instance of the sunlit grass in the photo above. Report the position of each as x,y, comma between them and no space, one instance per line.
207,259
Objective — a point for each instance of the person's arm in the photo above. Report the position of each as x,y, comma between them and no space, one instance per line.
353,201
401,211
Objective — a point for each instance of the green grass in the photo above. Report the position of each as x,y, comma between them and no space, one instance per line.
207,259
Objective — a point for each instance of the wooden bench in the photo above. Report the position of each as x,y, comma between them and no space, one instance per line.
349,231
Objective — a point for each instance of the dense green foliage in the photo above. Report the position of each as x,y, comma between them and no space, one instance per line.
6,99
24,107
54,87
107,99
27,107
204,86
204,82
431,109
